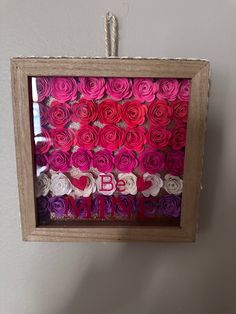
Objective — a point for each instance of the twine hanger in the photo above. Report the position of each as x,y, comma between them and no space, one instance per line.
111,35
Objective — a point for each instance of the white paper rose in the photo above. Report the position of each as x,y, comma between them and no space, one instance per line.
157,184
42,185
130,186
60,184
173,184
90,186
106,183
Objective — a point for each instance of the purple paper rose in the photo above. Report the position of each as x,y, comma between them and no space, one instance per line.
84,207
147,206
169,205
102,205
58,206
125,205
43,210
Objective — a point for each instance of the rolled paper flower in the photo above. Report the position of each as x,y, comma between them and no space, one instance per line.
42,142
184,90
147,207
180,113
130,186
125,161
134,138
87,136
43,210
102,206
59,114
42,161
151,161
59,161
119,88
133,113
43,85
178,137
84,111
125,205
84,207
158,137
92,87
103,161
110,137
89,188
109,112
144,89
167,89
81,159
106,183
43,112
60,184
63,139
159,113
173,184
175,163
64,88
58,206
169,205
42,185
157,184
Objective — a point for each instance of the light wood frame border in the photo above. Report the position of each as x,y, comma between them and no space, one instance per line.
198,70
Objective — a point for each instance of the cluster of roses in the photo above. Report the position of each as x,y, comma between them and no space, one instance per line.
103,207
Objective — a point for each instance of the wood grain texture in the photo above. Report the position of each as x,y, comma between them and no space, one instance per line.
197,70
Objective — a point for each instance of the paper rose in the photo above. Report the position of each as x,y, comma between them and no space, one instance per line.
59,114
157,184
184,90
42,161
84,208
58,206
84,111
109,112
130,186
180,113
144,89
133,113
125,160
59,161
87,136
175,163
169,205
167,89
43,212
81,159
125,206
60,184
158,137
89,188
159,113
110,137
43,85
63,139
92,87
147,207
173,184
64,88
151,161
103,161
106,183
43,112
134,138
102,206
119,88
42,142
178,138
42,185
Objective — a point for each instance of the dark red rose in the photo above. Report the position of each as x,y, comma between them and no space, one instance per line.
59,114
159,113
109,112
84,111
87,136
158,137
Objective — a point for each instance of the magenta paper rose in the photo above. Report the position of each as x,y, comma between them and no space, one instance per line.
64,88
184,90
82,159
175,163
92,87
103,160
59,161
125,160
43,112
119,88
144,89
43,85
151,161
167,89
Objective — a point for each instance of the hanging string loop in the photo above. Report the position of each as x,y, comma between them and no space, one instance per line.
111,35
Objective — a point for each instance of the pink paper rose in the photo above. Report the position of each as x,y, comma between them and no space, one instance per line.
144,89
103,161
125,160
184,90
151,161
64,88
43,85
119,88
42,142
92,87
167,89
81,159
43,112
59,161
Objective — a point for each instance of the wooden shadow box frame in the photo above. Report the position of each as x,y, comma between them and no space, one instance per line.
196,70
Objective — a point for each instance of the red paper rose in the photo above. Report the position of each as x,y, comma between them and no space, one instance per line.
133,113
59,114
84,111
151,161
63,139
175,163
87,136
42,142
159,113
134,138
109,112
178,139
63,88
180,111
158,137
110,137
59,161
